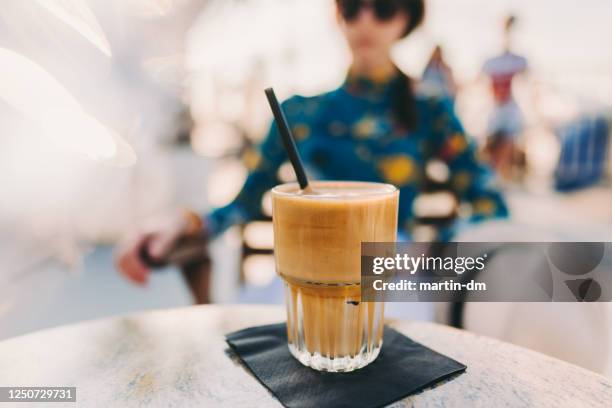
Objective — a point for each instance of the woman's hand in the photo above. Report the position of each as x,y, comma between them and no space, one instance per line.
156,241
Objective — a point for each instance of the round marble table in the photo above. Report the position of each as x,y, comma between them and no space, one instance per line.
178,358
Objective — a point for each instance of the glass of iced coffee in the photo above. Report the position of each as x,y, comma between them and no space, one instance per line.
317,245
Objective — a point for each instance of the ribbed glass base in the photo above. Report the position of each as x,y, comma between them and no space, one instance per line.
329,328
336,364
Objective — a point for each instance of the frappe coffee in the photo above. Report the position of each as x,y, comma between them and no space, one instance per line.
317,245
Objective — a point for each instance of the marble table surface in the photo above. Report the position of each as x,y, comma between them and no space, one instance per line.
178,358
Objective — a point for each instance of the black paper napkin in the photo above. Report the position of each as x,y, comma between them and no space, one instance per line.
403,367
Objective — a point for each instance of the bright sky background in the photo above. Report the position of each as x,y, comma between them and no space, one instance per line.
566,41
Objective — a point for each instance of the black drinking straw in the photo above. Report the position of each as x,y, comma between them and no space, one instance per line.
288,141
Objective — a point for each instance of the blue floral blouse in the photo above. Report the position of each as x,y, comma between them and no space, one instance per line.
350,134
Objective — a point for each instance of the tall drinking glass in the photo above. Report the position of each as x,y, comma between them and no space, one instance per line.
317,247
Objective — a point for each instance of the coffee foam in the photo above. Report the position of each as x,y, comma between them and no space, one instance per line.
336,190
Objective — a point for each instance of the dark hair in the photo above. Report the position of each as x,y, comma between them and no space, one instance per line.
404,103
416,10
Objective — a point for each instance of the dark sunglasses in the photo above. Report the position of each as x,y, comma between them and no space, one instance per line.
384,10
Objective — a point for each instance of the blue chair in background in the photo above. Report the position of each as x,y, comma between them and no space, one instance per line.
584,151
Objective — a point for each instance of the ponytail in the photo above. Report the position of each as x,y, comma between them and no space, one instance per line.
403,102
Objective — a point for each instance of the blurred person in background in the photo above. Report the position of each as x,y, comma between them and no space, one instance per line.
506,121
375,127
437,77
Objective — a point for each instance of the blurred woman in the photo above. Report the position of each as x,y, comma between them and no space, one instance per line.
437,78
373,128
506,122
